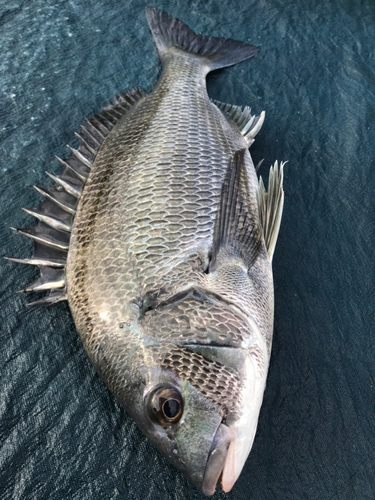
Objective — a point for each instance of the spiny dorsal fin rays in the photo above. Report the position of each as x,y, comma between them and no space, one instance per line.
37,262
271,206
45,236
53,297
248,124
80,176
80,157
50,279
51,221
83,141
92,134
56,198
51,234
69,188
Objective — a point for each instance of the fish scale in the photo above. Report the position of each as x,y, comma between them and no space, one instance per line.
161,238
154,161
203,321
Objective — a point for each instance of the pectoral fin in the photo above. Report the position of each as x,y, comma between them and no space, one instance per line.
237,230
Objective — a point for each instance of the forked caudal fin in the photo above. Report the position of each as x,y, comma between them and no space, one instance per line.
169,32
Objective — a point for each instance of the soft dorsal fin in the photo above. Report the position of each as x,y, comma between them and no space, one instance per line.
236,227
55,215
271,205
248,124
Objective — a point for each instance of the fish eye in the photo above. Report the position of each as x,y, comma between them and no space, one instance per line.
171,408
165,405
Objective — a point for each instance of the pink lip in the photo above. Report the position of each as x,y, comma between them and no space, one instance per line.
228,476
219,464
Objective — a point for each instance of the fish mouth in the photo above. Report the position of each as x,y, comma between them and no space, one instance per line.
220,462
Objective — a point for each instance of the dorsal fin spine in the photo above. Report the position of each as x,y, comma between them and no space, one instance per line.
80,157
75,172
61,205
51,234
93,151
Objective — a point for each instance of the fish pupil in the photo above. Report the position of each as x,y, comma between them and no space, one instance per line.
164,405
171,408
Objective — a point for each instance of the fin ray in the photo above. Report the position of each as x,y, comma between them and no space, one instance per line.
54,199
271,205
56,295
51,235
44,237
50,221
236,229
50,279
37,262
248,124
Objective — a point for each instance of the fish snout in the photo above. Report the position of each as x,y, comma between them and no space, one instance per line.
217,460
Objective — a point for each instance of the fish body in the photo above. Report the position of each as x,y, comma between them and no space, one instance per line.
168,273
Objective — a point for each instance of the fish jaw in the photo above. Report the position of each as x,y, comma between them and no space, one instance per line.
234,437
243,429
217,459
235,434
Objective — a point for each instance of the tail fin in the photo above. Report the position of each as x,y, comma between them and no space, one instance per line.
170,32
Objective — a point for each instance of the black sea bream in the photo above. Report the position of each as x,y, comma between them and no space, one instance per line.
160,236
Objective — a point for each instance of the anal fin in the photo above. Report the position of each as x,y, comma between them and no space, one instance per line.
248,124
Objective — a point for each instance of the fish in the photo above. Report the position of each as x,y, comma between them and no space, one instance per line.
160,236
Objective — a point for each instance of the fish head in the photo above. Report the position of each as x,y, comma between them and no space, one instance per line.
200,407
185,426
195,399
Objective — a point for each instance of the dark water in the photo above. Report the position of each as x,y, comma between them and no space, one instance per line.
62,434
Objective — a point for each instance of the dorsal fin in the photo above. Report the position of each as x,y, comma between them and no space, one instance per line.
248,124
56,213
236,228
